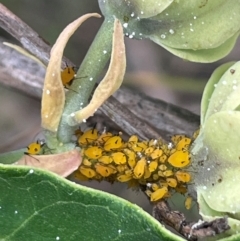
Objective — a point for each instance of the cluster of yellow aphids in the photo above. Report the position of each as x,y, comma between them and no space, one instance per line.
155,164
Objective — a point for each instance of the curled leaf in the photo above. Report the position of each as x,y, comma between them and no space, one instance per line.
53,98
70,161
113,78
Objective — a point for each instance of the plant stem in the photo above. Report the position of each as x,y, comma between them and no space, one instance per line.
87,76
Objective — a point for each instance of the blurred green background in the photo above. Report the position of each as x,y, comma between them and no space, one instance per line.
150,68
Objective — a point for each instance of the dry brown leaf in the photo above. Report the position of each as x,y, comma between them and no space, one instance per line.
62,164
53,97
113,78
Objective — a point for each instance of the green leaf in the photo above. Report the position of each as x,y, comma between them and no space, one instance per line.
37,205
202,55
217,179
210,87
222,98
11,157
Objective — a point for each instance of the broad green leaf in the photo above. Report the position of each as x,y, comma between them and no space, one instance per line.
226,85
196,24
217,180
203,55
11,157
136,8
210,87
37,205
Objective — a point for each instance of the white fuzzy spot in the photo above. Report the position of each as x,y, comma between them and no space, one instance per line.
84,120
224,82
91,78
119,231
132,15
104,51
204,187
195,17
31,171
79,86
46,116
142,12
53,74
72,114
57,238
16,212
171,31
48,92
163,36
125,25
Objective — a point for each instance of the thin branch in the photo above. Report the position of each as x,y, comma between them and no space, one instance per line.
192,231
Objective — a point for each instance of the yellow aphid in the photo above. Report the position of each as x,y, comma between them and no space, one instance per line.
119,157
148,151
67,76
104,171
103,138
156,153
188,202
153,166
105,159
124,178
172,182
133,139
181,189
160,174
113,143
138,147
176,138
155,187
147,173
148,192
86,162
88,172
184,177
168,173
183,143
155,176
35,148
88,137
93,152
179,159
163,158
153,143
158,194
79,176
131,157
122,168
162,167
139,168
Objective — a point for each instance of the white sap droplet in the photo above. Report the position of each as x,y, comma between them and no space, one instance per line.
31,171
